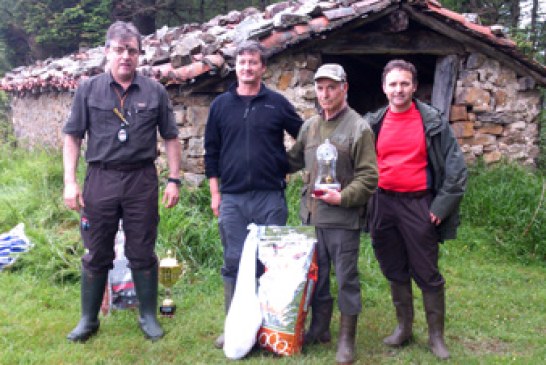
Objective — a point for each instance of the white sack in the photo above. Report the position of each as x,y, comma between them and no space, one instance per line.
245,316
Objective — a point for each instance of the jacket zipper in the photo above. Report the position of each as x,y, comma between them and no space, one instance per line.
247,144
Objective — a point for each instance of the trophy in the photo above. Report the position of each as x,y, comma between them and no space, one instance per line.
169,273
326,176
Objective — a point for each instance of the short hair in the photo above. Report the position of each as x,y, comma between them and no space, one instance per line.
401,65
123,31
251,46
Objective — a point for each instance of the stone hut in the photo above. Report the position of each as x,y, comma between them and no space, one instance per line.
473,73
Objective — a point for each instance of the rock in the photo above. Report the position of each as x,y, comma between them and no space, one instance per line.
468,78
491,128
505,77
196,147
497,118
500,97
185,48
492,157
191,132
197,115
526,83
517,126
476,150
285,80
483,139
458,112
194,180
475,61
463,129
473,96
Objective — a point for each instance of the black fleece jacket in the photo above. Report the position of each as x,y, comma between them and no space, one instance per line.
244,142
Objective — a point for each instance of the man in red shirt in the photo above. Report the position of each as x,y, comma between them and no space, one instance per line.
422,178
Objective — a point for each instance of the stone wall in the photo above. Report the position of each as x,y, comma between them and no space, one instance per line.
495,113
38,119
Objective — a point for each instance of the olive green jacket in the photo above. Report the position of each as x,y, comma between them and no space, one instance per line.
356,169
446,163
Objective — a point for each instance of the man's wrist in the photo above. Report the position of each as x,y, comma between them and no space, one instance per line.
174,180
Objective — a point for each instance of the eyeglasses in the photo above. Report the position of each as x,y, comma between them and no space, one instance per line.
120,50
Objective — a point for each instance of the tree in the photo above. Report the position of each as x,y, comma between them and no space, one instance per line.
39,29
526,28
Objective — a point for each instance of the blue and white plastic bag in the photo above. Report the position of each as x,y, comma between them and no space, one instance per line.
12,244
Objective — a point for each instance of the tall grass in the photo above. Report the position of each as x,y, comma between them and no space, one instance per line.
509,202
190,229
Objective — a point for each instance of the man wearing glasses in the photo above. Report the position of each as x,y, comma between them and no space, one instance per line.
121,112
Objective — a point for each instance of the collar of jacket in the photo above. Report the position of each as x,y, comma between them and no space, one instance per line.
431,116
233,90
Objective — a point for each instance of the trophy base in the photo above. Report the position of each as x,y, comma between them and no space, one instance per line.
167,310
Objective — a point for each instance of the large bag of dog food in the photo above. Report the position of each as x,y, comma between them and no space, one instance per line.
286,288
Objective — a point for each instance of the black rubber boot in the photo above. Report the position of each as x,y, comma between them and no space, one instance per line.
319,329
229,289
402,298
435,312
146,290
92,290
346,342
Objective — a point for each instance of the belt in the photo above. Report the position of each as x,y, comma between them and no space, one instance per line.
121,166
404,194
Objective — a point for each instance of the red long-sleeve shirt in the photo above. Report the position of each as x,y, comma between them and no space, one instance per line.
401,152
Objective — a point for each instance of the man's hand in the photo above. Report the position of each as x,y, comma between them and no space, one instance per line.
434,219
73,197
171,195
330,196
215,200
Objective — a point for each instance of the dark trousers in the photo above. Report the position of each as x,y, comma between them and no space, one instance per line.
404,240
338,247
110,195
237,211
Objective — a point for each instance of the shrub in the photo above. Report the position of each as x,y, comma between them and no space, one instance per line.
509,201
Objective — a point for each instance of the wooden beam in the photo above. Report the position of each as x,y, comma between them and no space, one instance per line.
445,78
474,43
408,42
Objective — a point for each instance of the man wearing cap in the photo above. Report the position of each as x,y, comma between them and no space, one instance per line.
337,215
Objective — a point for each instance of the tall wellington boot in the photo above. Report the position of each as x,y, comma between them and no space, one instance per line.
346,342
146,291
435,312
92,290
319,329
229,289
402,298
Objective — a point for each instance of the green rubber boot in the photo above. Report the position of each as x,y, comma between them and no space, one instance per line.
92,290
146,290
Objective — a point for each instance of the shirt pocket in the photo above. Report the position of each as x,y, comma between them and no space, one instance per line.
103,121
147,113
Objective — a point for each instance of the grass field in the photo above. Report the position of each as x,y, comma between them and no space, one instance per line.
495,315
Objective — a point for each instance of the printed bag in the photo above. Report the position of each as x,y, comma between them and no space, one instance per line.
286,288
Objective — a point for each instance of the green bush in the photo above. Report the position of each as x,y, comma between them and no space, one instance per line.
508,200
191,230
